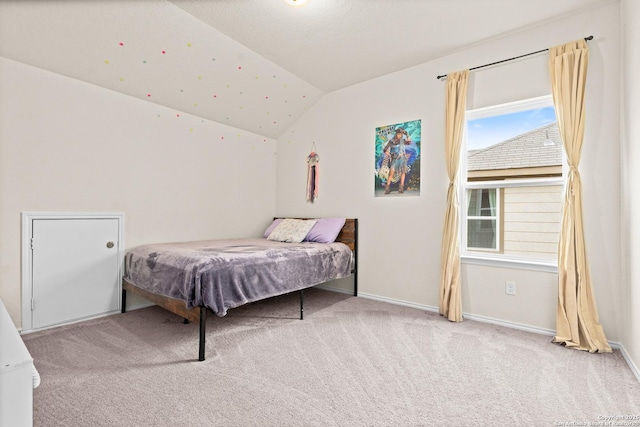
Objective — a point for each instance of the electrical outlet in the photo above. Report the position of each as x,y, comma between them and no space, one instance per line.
510,288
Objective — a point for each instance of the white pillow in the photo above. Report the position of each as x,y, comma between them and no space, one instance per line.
292,230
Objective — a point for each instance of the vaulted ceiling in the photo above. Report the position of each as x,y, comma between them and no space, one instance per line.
256,65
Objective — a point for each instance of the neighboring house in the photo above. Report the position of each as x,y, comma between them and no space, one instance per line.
526,221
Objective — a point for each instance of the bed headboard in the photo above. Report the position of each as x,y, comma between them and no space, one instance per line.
348,235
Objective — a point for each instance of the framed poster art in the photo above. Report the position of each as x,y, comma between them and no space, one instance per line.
397,160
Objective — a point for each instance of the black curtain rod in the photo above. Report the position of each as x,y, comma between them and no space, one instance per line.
510,59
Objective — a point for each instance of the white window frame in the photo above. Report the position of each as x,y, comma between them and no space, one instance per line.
489,257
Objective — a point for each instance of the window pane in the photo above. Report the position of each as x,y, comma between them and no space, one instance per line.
481,233
481,202
473,207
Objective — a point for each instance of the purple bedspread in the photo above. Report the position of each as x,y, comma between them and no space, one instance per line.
223,274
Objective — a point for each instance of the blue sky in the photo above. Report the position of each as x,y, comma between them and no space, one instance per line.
487,131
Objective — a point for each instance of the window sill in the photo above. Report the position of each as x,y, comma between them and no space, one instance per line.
492,261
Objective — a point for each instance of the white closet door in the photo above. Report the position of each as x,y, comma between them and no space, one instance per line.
75,269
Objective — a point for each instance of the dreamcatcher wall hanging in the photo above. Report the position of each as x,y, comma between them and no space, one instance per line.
313,174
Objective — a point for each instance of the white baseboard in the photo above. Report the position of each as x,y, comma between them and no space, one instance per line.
499,322
70,322
398,302
469,316
632,366
507,324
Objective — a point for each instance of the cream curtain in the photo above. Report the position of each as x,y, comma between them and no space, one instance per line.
456,100
577,324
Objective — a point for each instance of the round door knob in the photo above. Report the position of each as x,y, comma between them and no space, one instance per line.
109,245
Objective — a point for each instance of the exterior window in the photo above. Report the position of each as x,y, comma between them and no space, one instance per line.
513,185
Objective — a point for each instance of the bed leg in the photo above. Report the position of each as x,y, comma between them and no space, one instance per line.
355,283
124,301
301,304
355,261
203,324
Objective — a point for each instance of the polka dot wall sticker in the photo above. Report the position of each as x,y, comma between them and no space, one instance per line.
106,61
188,44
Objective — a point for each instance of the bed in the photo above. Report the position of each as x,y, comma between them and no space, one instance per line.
192,279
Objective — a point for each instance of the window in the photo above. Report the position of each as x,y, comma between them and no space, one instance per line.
482,218
512,173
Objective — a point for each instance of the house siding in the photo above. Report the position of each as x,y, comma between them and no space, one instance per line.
532,219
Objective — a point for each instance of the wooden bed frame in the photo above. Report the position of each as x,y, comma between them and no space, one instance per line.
348,235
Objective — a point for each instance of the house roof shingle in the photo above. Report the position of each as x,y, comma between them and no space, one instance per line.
523,151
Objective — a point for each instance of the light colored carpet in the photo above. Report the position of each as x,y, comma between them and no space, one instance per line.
351,362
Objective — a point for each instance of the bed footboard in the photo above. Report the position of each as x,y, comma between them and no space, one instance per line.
173,305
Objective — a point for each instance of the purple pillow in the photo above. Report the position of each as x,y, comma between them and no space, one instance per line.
273,225
326,230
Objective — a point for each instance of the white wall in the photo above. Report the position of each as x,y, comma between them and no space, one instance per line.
69,146
401,237
630,88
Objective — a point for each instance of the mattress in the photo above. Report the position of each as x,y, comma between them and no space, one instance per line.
223,274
